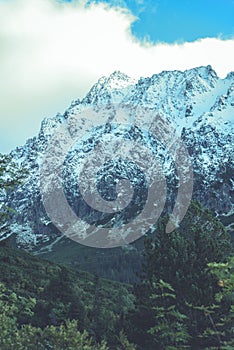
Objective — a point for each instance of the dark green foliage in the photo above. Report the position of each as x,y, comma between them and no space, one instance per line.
180,258
10,177
10,174
27,337
119,264
62,294
169,330
222,327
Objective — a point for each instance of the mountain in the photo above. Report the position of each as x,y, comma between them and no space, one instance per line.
195,106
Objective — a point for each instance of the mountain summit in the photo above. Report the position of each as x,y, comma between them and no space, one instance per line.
198,104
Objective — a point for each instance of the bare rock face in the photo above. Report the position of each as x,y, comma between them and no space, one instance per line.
196,103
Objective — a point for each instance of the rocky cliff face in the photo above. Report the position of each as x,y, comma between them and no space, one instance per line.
197,103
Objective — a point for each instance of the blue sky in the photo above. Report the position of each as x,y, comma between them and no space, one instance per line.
53,51
181,20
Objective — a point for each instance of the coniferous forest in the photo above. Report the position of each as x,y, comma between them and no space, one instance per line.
182,296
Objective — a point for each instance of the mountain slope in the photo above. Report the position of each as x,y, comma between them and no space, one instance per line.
196,102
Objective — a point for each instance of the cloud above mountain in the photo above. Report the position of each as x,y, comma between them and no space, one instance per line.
52,52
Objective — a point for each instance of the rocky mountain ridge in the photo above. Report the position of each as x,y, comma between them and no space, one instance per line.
198,104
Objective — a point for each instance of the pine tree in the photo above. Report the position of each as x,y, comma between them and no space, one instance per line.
10,176
180,258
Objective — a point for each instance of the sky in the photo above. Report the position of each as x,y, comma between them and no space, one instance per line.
53,51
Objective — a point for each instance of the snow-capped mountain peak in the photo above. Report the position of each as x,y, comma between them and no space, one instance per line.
196,102
112,87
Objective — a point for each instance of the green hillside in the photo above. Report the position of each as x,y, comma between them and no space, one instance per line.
63,294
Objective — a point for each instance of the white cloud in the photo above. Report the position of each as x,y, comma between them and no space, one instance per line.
51,53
